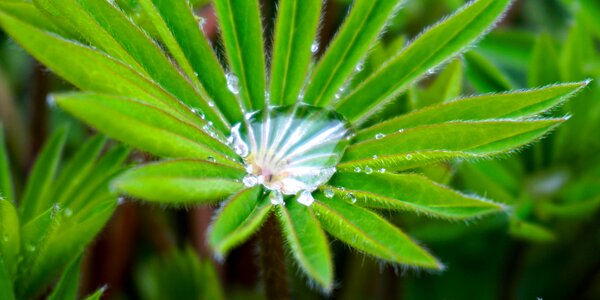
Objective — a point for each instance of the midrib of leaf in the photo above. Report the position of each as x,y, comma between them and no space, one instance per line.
317,100
355,228
238,53
388,93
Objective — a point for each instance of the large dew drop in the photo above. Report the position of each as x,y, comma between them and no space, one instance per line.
290,150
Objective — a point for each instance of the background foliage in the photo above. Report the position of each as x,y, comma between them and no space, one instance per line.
546,247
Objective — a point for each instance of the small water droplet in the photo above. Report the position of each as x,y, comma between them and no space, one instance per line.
401,130
368,170
50,101
211,159
352,197
382,170
379,136
30,247
239,146
201,22
120,200
375,156
314,47
360,66
329,193
306,198
338,96
409,156
276,198
431,71
211,103
196,74
250,181
68,212
357,169
233,83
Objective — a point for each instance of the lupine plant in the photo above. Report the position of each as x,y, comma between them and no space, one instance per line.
292,145
45,231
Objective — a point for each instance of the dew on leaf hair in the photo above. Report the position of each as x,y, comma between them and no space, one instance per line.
276,198
368,170
211,159
329,193
382,170
360,67
357,169
352,197
305,198
314,48
409,156
379,136
233,83
250,180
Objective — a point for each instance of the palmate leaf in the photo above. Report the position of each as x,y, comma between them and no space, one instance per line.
368,232
520,104
362,26
410,192
307,242
432,48
426,144
181,182
241,30
295,33
238,219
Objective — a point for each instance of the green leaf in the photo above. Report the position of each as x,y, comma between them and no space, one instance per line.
368,232
590,9
530,231
519,104
354,39
429,143
241,30
100,16
411,192
485,76
307,242
181,182
440,43
146,127
6,287
508,45
493,179
575,210
10,237
25,10
97,295
42,174
179,30
104,75
6,186
543,67
68,284
295,32
240,217
447,86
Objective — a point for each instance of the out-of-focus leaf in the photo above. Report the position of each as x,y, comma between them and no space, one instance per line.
146,127
591,11
447,86
181,182
179,30
6,187
97,295
510,46
25,10
6,287
68,284
530,231
368,232
410,192
435,46
362,26
484,76
574,210
520,104
241,30
426,144
543,68
10,237
492,179
241,216
295,32
307,242
42,175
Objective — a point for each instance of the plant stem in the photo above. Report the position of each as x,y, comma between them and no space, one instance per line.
272,260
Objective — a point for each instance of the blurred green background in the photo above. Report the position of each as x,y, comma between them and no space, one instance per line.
546,247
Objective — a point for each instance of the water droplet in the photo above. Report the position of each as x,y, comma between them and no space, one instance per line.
401,130
250,180
360,66
306,198
211,159
314,47
368,170
357,169
276,198
233,83
211,103
329,193
237,143
382,170
409,156
338,96
120,200
352,197
5,237
50,101
431,71
68,212
201,22
30,247
379,136
375,156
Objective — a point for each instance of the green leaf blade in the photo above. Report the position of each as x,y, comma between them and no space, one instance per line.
307,242
241,217
180,182
68,284
368,232
411,192
241,29
10,237
296,29
440,43
6,186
